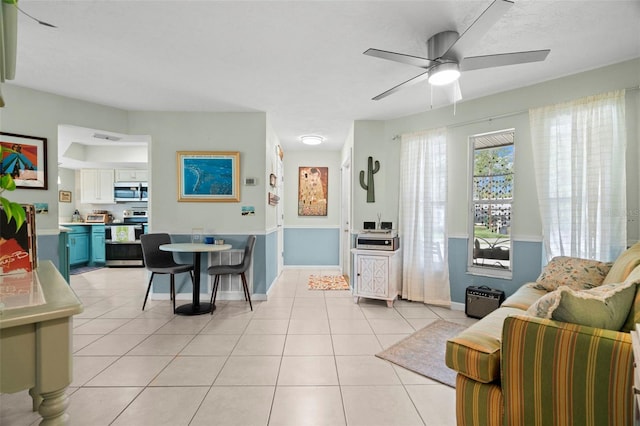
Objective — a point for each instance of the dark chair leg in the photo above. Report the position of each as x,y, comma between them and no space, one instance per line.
148,289
246,289
214,291
172,290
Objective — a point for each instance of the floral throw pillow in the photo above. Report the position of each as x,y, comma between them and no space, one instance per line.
544,307
578,274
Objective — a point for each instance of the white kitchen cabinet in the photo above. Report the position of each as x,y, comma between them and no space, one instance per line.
96,186
377,275
132,175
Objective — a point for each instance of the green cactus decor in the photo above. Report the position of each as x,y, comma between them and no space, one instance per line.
369,187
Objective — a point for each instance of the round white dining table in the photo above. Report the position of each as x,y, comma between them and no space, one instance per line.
195,307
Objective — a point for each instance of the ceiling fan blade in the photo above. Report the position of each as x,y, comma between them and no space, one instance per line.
411,81
485,21
400,57
499,60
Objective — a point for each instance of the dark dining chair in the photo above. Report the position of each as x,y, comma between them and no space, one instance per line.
238,269
161,262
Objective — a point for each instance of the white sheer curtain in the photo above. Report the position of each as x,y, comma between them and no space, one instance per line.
579,159
423,225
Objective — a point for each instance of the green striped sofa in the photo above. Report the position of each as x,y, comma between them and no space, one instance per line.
517,369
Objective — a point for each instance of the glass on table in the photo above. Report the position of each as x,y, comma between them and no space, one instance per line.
196,235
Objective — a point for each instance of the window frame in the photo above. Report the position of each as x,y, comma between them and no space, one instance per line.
473,269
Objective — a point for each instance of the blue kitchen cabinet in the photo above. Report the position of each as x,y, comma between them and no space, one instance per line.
63,254
78,245
98,252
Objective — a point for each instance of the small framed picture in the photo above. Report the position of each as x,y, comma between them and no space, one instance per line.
64,196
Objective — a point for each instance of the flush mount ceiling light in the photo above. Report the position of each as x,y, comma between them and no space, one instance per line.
443,74
311,139
106,137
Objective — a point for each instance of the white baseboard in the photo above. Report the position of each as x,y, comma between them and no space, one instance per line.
204,297
311,267
457,306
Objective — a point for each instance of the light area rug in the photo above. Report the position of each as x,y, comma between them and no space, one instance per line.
328,282
423,352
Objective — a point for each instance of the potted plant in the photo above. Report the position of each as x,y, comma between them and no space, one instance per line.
12,210
17,233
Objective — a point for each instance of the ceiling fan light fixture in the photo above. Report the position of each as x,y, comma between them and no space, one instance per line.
311,139
443,74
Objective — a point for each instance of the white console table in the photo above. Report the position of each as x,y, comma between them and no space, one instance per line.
36,339
377,274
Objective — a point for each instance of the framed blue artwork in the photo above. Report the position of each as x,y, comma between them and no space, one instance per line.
208,176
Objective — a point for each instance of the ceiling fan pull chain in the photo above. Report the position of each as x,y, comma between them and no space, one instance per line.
430,96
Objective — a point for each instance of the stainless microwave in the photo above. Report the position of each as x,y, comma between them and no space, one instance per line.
130,191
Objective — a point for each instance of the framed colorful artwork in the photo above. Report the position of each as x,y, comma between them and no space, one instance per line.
208,176
25,159
312,191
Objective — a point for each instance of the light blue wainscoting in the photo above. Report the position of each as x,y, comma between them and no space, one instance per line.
527,264
183,282
48,245
270,259
312,246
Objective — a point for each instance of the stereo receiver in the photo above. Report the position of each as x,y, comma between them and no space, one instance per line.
380,241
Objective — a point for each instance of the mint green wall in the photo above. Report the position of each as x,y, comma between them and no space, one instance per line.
371,139
311,240
292,161
510,110
35,113
513,106
201,131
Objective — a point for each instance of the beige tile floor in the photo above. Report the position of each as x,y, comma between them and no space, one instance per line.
301,358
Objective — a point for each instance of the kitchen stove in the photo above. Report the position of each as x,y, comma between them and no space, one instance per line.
123,246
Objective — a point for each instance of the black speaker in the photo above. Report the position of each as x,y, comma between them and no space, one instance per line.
386,225
369,225
481,301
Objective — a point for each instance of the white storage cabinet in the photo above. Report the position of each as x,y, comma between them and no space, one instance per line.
377,275
131,175
96,186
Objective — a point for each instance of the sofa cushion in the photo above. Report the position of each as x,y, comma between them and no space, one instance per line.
606,306
624,264
634,312
524,297
580,274
482,402
556,373
475,352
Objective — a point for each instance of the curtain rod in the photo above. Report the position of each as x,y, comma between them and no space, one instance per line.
496,117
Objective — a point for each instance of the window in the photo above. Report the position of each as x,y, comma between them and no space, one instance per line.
579,161
492,196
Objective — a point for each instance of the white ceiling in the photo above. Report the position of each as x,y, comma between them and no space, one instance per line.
301,61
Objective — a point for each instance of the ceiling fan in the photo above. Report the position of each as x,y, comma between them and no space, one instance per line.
446,53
